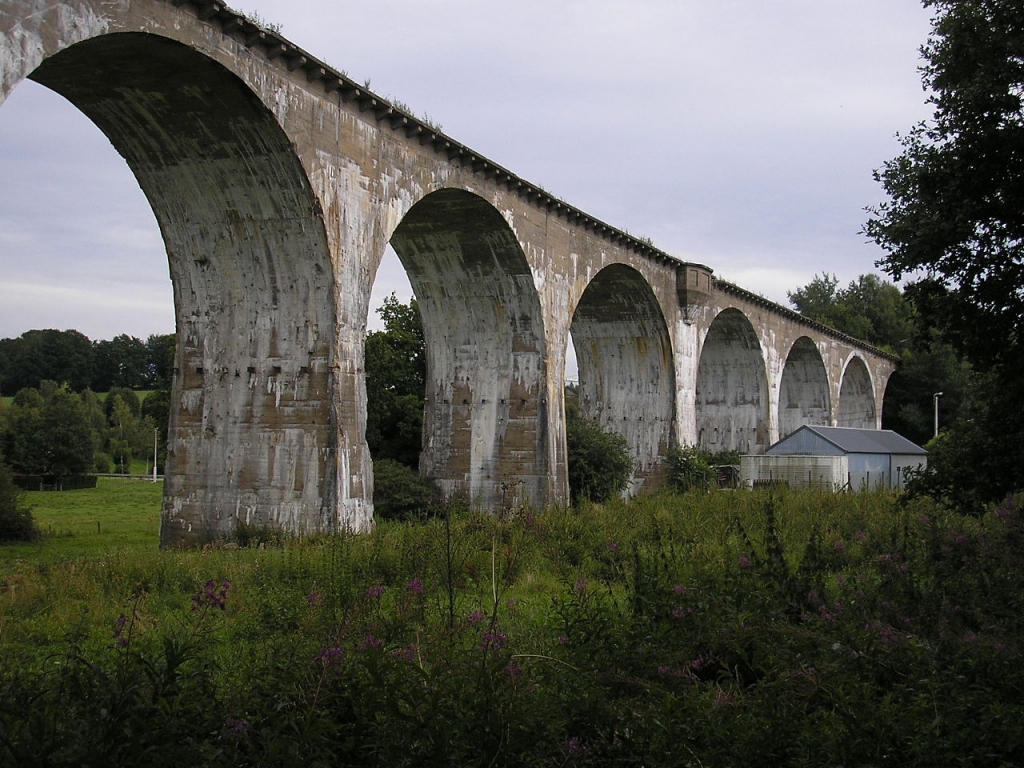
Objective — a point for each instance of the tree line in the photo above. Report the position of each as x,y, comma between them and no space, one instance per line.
52,431
71,358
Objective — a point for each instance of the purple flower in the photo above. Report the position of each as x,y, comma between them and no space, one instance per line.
493,641
313,600
408,653
613,547
375,591
212,595
235,729
119,625
415,586
371,642
476,616
744,562
331,657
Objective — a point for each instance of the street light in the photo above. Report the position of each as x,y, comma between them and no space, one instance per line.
935,400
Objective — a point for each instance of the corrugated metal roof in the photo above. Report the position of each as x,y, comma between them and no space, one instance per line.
850,440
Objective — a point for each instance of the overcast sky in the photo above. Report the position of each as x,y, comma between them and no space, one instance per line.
741,134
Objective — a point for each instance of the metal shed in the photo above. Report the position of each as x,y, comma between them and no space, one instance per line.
835,458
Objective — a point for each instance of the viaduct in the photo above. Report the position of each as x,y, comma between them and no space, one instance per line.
277,183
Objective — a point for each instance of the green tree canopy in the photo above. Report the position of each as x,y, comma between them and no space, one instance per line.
63,356
124,361
954,225
954,220
396,373
869,308
50,435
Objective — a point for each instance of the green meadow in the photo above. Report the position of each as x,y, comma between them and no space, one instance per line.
715,629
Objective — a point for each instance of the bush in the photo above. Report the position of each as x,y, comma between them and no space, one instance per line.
16,522
399,493
600,464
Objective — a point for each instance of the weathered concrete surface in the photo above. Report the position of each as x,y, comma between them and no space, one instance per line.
278,182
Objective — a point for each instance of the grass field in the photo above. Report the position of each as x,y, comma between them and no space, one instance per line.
116,514
723,629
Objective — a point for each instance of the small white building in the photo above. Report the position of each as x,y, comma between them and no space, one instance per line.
835,458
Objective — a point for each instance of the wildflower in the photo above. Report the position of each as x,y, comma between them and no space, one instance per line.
415,586
476,616
408,653
839,546
313,600
235,729
375,591
331,657
512,669
664,671
576,747
581,585
371,642
745,562
562,640
679,589
212,595
493,641
119,625
613,547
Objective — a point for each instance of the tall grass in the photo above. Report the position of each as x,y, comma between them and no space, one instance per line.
708,629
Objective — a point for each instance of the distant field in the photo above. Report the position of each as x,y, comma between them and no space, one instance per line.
115,514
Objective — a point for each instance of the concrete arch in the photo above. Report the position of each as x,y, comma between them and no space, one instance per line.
485,419
732,387
857,397
253,435
804,389
627,376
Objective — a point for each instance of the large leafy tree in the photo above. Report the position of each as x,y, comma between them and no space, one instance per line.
954,227
63,356
869,308
49,433
123,361
396,374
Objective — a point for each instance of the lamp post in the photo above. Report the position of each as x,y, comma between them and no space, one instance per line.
935,401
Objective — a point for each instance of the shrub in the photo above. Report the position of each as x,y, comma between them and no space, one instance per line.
399,493
16,522
600,464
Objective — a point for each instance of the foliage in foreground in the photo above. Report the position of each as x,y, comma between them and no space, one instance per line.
716,630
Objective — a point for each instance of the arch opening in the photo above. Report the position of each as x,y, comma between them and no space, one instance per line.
732,388
485,432
252,435
625,368
803,392
857,397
